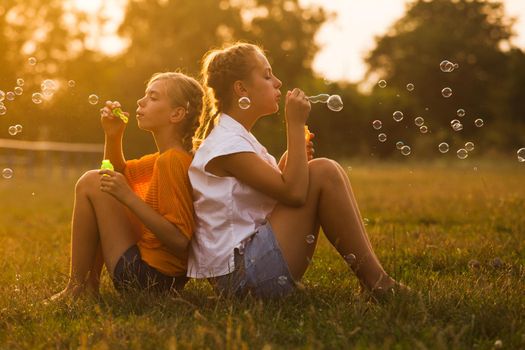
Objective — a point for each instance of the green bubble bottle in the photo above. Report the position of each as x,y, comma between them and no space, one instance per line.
106,165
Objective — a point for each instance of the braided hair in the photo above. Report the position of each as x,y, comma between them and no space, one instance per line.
220,69
184,91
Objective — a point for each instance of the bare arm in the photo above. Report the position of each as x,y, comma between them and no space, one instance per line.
168,233
290,186
114,131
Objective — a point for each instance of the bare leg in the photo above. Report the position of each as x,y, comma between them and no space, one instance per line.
99,221
331,203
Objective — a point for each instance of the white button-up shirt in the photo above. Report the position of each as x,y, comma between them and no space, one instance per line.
227,210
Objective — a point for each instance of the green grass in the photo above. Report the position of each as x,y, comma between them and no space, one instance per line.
426,222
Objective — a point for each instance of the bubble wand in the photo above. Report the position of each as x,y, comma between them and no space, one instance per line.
333,102
117,112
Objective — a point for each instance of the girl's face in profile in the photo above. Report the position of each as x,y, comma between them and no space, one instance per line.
154,109
263,87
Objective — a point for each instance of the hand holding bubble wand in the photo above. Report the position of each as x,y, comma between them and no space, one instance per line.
118,113
333,102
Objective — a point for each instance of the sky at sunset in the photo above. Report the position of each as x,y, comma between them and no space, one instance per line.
344,41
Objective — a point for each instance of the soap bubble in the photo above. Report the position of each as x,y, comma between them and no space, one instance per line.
310,239
443,147
244,102
399,144
20,82
3,109
410,87
377,124
462,153
457,126
350,259
282,280
446,66
521,155
469,146
423,129
446,92
50,85
321,98
478,122
71,83
335,103
406,150
460,112
37,98
32,61
7,173
382,84
12,130
381,137
419,121
18,90
18,128
93,99
398,116
10,95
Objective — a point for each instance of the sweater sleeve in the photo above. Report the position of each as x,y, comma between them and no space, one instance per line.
138,172
174,191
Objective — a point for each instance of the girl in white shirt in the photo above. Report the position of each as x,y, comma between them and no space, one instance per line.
257,222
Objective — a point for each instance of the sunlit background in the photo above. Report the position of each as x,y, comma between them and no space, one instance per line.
96,50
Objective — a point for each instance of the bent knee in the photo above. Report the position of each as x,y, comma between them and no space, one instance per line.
324,169
89,180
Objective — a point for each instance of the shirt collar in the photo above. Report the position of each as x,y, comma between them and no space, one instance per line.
230,123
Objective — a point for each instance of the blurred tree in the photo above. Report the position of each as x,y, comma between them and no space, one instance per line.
470,33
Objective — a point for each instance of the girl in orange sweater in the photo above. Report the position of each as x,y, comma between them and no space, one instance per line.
138,219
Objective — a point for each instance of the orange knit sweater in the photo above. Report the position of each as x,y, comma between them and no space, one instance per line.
162,182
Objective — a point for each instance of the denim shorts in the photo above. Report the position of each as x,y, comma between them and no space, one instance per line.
260,269
133,273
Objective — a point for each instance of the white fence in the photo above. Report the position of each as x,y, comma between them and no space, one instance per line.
46,158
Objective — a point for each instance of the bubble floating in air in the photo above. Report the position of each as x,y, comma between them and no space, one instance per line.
446,92
462,153
37,98
93,99
478,122
7,173
521,155
443,147
377,124
398,116
310,239
406,150
244,102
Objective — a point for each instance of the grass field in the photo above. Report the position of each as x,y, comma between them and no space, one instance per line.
426,222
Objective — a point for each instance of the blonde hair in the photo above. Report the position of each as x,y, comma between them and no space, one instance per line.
220,69
183,91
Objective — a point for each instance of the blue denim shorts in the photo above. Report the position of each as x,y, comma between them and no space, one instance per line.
260,269
132,274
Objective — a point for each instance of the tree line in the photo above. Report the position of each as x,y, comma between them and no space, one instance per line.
174,34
